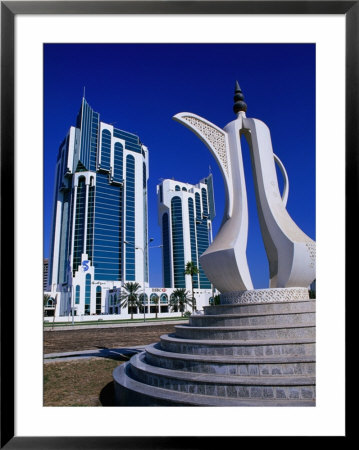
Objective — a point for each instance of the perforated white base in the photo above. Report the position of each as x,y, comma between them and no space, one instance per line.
265,295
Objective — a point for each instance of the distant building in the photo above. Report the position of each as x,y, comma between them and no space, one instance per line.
99,231
185,215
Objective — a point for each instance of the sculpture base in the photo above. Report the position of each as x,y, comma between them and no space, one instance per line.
271,295
254,354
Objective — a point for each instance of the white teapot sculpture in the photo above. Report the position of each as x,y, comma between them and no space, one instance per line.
290,252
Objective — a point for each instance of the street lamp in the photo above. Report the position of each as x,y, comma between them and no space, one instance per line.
70,290
73,304
143,256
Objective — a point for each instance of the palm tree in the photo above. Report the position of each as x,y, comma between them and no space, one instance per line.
192,269
155,301
179,300
130,296
46,299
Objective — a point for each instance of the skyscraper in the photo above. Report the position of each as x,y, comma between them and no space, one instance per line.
99,215
185,215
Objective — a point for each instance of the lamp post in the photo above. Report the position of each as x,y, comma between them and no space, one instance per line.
73,304
143,256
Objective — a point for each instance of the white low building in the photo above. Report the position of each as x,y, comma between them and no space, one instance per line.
157,304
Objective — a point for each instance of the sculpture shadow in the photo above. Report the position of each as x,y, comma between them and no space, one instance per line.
107,395
117,354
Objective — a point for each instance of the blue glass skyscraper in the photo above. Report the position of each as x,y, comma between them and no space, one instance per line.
99,215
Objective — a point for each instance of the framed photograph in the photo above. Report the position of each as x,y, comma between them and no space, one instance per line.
43,38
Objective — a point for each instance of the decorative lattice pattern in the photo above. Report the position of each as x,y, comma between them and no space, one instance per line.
312,252
214,136
265,295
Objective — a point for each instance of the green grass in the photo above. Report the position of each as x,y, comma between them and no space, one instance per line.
105,322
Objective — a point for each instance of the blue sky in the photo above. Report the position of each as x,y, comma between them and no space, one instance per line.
140,87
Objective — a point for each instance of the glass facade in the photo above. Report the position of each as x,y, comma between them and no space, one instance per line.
88,123
202,244
78,246
105,150
94,208
177,243
94,140
204,202
90,220
166,251
107,254
210,194
132,141
192,231
118,162
130,218
145,232
64,244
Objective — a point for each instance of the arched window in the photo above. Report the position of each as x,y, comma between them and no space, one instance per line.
50,303
143,298
177,188
164,303
184,189
77,294
98,299
164,298
87,293
154,299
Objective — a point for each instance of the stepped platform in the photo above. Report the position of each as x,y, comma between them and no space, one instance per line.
240,354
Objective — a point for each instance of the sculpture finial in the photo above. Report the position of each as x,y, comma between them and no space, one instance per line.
239,103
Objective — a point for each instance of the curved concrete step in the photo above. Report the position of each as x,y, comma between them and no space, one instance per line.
129,392
231,365
294,346
246,332
301,387
252,319
271,308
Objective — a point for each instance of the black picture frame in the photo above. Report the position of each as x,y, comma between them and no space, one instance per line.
9,10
